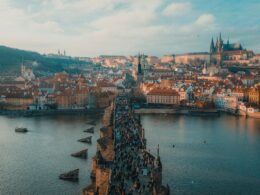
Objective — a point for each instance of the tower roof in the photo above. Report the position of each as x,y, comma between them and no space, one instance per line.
139,68
212,45
220,39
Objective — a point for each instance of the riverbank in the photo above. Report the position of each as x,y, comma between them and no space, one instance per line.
34,113
210,112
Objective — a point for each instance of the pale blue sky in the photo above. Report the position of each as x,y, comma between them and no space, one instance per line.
121,27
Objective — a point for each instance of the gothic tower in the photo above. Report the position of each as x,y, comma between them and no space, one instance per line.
219,50
212,51
212,48
139,66
139,70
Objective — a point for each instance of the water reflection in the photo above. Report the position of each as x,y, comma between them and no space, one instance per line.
30,163
228,163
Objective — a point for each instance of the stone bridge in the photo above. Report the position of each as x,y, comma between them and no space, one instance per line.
122,165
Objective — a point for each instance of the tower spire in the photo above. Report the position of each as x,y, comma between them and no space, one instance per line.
139,69
212,46
220,39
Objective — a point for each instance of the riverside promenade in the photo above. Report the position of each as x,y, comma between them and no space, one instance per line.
122,165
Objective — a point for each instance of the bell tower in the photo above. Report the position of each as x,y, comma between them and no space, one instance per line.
139,70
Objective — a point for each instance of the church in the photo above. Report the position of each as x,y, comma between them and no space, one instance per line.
139,67
228,53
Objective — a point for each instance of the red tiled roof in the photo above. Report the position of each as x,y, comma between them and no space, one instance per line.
163,92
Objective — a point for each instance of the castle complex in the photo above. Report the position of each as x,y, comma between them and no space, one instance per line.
220,53
228,53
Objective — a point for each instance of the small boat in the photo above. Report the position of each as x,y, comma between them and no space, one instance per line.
71,175
86,140
89,130
253,112
81,154
21,130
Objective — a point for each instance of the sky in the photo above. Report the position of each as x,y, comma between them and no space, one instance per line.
127,27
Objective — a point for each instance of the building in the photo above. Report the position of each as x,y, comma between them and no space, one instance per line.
59,55
228,53
226,102
163,96
140,68
27,73
254,95
151,60
239,93
167,59
105,87
113,61
192,58
248,80
18,101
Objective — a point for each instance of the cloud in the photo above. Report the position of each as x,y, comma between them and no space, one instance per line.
177,9
205,19
94,27
204,23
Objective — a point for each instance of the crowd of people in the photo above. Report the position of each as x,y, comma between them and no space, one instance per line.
133,165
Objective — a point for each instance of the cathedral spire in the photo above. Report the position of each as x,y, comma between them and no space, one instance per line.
220,39
139,68
212,48
219,43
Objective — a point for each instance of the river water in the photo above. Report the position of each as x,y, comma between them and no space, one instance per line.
31,163
212,155
215,155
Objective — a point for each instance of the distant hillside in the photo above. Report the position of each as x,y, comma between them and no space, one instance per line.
11,59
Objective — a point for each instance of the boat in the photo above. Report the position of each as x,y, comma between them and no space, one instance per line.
249,111
86,140
71,175
253,113
21,130
89,130
81,154
242,110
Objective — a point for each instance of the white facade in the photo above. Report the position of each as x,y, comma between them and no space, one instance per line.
226,102
27,73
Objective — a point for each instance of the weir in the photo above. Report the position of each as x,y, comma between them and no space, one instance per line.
122,164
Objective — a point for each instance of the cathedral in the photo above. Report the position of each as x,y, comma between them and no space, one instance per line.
228,53
139,68
27,73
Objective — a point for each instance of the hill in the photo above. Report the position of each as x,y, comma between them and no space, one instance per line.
11,60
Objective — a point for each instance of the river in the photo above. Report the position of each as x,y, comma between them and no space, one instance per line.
212,155
31,163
